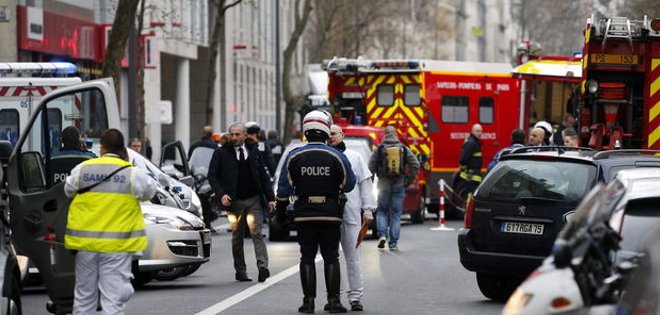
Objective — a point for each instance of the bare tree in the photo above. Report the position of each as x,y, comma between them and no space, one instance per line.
121,28
290,99
375,29
636,9
220,8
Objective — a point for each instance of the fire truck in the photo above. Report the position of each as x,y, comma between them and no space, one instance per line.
620,84
432,103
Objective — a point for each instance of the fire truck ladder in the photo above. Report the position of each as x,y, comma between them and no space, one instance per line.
618,27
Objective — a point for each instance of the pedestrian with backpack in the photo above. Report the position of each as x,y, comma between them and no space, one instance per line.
390,162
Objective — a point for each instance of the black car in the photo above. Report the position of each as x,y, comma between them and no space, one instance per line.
521,205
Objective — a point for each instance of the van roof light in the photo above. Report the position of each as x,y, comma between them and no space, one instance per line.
38,67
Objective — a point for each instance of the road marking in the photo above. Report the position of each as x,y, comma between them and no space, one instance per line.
254,289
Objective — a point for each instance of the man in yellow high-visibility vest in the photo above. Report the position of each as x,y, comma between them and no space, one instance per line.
105,225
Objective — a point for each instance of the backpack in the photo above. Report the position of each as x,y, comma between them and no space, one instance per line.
391,161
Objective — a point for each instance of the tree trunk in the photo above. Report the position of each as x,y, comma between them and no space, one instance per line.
121,27
291,102
214,41
140,79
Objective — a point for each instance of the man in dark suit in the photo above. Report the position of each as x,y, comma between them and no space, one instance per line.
238,177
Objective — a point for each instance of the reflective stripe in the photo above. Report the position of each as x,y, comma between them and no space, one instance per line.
476,154
108,235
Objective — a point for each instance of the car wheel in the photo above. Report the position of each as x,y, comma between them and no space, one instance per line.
141,278
417,217
277,232
190,269
170,274
453,210
497,288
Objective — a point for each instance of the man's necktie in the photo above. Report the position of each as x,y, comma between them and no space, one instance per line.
241,156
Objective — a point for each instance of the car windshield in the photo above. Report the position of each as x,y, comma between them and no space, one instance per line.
140,161
556,180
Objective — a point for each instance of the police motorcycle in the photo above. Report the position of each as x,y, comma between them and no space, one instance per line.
199,163
581,273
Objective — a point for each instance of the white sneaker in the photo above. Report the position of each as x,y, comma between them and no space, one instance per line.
382,241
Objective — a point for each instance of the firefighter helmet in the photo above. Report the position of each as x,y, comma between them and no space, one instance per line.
317,121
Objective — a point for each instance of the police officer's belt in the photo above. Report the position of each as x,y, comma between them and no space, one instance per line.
316,199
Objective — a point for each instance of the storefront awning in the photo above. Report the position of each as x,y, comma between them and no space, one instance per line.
561,70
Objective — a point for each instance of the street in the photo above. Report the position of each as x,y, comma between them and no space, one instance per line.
423,277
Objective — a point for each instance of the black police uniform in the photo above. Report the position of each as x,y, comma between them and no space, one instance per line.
317,174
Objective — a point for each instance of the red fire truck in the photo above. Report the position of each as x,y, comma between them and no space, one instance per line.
620,83
433,104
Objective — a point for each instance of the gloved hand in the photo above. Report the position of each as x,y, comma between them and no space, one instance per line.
280,211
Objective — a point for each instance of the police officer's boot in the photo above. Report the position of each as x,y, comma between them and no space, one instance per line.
308,280
332,283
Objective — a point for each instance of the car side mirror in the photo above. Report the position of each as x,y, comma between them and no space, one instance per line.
568,216
562,254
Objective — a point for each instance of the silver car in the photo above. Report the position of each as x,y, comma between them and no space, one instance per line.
177,239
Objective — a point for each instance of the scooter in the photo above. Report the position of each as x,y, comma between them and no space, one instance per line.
199,163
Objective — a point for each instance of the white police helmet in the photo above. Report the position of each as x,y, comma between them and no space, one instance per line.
546,126
317,120
252,127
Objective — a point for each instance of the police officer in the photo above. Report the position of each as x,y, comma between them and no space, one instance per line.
105,225
471,161
317,174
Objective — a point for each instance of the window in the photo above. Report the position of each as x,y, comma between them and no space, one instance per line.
561,181
411,95
486,105
9,125
86,110
385,95
455,109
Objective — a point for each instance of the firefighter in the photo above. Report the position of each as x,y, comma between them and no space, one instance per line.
469,175
318,175
105,225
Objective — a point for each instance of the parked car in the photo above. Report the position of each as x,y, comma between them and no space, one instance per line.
178,244
279,232
595,251
520,207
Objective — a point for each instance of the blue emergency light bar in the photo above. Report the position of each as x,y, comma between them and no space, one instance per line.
409,64
38,68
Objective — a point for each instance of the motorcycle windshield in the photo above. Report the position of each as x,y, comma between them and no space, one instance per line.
200,160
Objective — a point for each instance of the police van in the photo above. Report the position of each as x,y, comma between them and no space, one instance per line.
31,122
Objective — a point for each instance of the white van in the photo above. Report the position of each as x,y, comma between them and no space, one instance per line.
37,202
20,93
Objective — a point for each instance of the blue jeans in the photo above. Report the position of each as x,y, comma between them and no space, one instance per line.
390,207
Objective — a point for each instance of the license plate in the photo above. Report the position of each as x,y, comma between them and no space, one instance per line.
614,59
522,228
206,237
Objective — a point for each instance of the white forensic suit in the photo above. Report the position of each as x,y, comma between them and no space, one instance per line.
361,198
